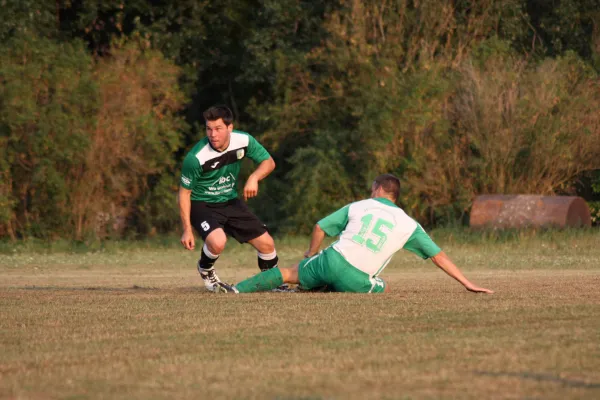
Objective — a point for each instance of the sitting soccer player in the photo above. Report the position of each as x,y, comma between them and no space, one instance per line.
370,232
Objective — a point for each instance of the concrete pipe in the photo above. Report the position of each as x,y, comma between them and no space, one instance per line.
520,211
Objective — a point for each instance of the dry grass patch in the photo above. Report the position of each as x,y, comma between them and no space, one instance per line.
138,325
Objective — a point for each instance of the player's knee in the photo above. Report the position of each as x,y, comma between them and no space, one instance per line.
289,275
269,248
216,248
216,241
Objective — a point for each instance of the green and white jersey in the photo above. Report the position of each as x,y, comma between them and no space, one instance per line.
372,230
212,175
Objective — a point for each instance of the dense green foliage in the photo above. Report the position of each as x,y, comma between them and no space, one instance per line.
99,100
88,145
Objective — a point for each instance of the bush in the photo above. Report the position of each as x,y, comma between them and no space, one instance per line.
48,100
428,91
81,138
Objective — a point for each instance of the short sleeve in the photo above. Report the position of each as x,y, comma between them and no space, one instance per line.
256,152
334,223
190,172
421,244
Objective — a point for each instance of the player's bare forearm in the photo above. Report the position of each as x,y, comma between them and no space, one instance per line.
445,264
315,242
184,198
264,169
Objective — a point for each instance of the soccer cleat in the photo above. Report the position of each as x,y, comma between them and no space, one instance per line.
210,278
319,289
222,287
283,289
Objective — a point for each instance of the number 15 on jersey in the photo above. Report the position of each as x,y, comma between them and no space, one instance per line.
368,229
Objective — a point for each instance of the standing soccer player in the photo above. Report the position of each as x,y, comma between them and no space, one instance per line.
208,198
370,232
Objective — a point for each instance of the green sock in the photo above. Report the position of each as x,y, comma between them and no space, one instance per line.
267,280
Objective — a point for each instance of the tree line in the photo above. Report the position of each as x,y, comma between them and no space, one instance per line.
100,100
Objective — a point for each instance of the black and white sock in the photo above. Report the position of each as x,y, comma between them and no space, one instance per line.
267,261
207,259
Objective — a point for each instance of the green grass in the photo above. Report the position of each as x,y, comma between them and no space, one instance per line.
456,235
132,321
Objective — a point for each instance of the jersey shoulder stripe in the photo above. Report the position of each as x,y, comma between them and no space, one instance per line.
210,159
239,140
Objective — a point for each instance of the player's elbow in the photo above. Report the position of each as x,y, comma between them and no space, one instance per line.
318,229
440,259
439,256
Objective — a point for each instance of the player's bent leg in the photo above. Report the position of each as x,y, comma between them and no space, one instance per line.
263,243
387,288
313,272
265,247
266,280
290,275
215,241
214,245
267,256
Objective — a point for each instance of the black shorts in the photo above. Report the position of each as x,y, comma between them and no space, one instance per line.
233,216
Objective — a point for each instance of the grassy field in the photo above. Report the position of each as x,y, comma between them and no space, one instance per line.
134,322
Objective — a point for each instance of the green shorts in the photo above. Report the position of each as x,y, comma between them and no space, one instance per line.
331,269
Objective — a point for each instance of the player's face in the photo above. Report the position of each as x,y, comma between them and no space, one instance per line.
218,134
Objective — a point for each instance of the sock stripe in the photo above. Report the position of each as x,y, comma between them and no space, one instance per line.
208,253
268,256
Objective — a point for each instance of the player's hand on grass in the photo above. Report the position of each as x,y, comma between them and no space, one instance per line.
251,188
477,289
187,239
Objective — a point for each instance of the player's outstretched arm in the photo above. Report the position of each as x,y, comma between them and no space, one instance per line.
262,171
445,263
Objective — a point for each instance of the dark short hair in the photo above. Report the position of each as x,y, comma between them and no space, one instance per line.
219,112
389,183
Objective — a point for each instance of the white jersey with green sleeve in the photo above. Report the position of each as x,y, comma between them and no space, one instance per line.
212,175
372,230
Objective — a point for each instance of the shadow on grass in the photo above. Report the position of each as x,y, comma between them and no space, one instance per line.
154,290
542,378
134,288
